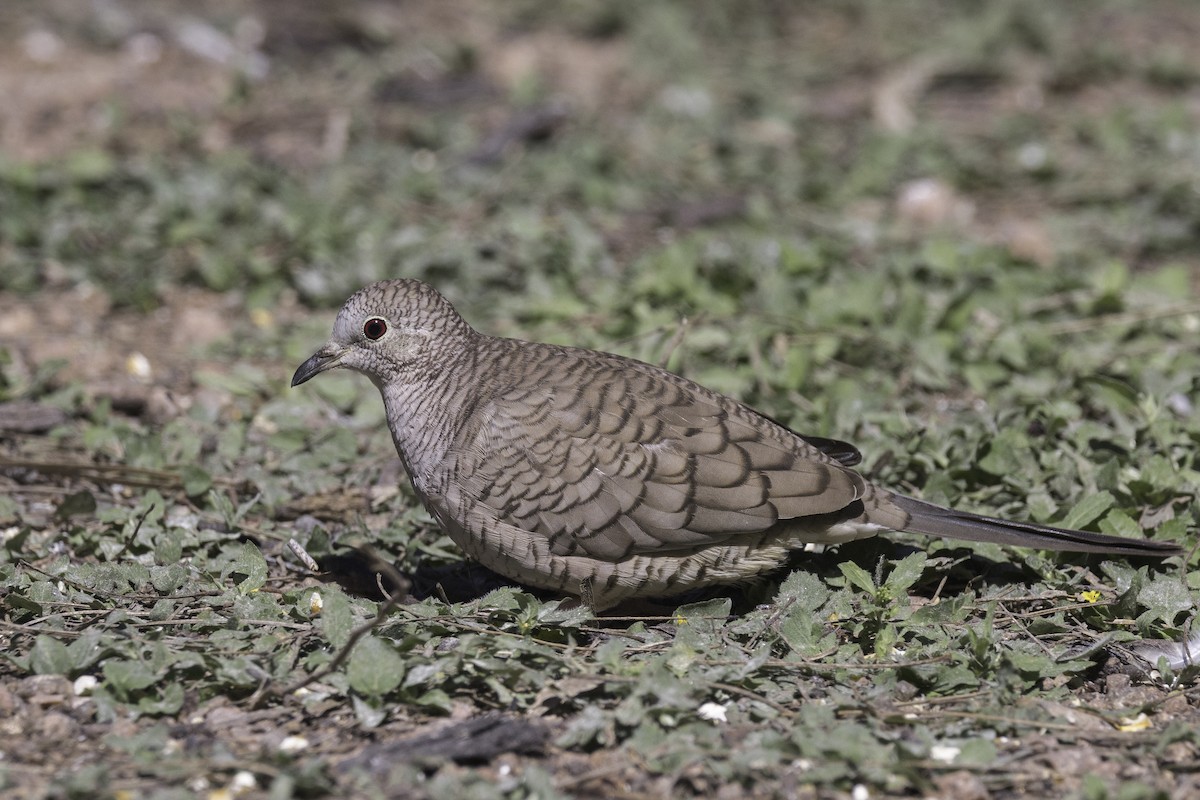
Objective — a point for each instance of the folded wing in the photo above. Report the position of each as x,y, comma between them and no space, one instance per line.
638,461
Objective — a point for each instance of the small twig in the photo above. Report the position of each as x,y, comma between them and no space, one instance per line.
1028,634
758,367
142,518
108,473
937,594
755,696
674,342
308,561
943,700
770,622
36,631
1014,721
635,761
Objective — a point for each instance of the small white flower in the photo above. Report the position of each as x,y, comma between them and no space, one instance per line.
243,781
138,366
84,684
859,792
293,744
713,712
946,753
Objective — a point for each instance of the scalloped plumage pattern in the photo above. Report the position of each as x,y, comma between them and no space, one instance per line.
594,474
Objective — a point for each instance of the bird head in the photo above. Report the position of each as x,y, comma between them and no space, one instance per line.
384,329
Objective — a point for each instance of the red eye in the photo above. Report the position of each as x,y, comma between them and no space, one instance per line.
374,328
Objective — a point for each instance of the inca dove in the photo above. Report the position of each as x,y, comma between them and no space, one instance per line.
593,474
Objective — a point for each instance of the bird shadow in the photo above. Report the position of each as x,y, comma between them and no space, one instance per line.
952,570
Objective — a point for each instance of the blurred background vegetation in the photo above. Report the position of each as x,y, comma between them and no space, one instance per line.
811,185
963,235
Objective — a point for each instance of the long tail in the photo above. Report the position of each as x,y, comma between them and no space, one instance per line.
937,521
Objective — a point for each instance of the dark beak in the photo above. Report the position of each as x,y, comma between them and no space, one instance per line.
325,358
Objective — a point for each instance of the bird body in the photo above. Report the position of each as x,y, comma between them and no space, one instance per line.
598,475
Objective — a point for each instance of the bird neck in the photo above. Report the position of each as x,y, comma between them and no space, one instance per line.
426,408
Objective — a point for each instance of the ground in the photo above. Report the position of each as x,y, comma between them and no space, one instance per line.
962,236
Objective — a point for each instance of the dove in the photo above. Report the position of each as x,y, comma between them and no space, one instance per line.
600,476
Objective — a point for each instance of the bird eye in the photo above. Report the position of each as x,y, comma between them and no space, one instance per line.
374,328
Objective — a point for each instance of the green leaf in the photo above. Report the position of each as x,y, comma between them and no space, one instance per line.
195,480
76,504
250,564
1088,510
128,677
857,576
589,727
1031,664
375,668
1165,598
718,608
1118,523
337,616
907,571
1008,454
804,633
369,711
436,700
90,166
169,701
50,657
977,752
564,614
802,590
87,649
169,578
9,512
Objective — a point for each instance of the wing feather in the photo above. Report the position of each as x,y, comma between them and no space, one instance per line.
614,462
